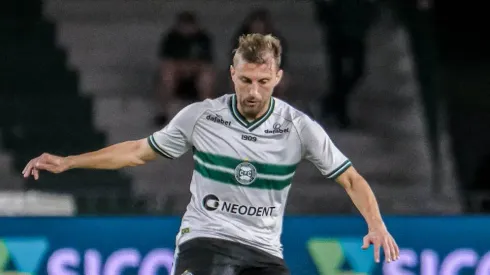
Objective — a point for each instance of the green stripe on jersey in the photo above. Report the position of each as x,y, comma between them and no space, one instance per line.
154,145
229,176
232,163
339,170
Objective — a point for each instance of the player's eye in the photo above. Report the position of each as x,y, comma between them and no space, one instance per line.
263,81
245,80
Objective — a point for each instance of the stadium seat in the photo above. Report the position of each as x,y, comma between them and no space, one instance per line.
41,109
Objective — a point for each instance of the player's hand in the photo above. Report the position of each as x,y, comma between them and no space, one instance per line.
47,162
382,239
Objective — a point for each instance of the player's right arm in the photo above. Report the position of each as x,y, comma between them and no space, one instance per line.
171,142
124,154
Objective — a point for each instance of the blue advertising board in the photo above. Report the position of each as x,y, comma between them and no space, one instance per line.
312,245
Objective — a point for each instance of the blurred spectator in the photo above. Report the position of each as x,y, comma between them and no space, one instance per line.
260,21
345,24
417,17
186,64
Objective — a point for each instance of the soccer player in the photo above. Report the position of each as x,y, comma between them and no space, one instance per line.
246,147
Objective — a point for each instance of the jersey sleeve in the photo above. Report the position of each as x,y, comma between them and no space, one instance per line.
176,138
319,149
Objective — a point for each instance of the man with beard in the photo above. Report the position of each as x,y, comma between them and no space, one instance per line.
246,147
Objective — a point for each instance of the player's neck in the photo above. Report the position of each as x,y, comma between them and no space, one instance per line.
259,114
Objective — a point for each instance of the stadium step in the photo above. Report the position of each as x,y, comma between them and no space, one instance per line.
404,199
9,180
144,11
82,182
136,81
41,111
5,162
107,41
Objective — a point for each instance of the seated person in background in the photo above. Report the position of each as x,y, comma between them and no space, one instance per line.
186,65
260,21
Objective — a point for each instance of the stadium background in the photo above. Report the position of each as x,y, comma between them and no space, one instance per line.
76,75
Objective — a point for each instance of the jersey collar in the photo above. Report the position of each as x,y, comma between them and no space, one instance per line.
252,125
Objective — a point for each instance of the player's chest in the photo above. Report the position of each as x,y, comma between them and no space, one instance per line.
272,141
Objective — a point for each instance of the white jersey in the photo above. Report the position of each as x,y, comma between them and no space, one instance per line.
243,169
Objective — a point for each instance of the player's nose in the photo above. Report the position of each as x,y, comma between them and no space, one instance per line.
254,89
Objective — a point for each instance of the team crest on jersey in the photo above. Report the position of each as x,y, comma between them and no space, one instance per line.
245,173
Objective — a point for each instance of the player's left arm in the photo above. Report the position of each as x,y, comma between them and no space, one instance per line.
364,199
333,164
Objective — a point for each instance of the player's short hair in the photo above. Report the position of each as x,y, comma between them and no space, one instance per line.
256,48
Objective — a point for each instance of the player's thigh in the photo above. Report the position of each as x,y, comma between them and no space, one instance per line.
269,270
198,259
196,268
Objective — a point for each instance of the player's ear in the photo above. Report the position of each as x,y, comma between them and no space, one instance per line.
279,75
232,70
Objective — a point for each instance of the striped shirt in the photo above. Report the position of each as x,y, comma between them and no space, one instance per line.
243,169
